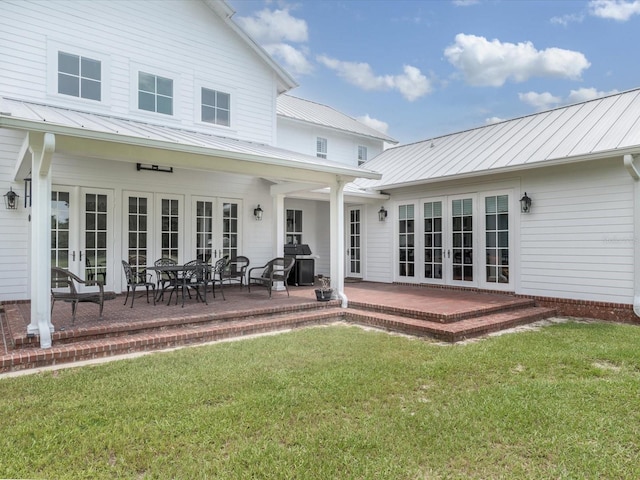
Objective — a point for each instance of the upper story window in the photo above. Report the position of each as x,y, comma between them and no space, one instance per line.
216,107
79,76
321,147
155,94
362,155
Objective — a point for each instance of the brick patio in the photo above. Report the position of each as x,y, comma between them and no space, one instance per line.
445,314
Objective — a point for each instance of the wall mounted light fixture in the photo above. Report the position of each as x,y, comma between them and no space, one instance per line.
153,168
525,203
257,213
11,199
382,214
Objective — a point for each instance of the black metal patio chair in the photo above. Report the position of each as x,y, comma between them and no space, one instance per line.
137,280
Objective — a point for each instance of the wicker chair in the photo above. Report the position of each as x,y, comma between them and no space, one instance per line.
275,271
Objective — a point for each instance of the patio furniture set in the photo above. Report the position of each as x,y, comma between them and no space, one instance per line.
195,277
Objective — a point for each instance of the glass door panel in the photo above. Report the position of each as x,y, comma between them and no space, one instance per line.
433,246
230,229
96,237
60,229
354,248
462,241
497,257
406,241
170,228
204,229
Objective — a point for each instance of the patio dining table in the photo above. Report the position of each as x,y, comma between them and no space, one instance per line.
180,278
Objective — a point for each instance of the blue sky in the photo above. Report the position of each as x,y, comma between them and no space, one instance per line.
417,69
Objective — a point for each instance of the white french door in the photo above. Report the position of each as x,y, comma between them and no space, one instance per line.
463,240
355,239
82,232
216,228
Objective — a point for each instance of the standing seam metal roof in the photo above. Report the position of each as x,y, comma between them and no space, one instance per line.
601,126
304,110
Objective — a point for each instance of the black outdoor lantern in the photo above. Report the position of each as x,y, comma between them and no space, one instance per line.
382,214
257,213
525,203
11,199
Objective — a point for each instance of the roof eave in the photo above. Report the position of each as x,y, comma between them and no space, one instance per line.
383,138
37,126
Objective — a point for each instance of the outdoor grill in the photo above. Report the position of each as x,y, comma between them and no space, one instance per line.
303,271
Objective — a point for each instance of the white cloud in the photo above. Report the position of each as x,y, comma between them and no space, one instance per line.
492,120
294,59
565,20
275,26
275,31
584,94
378,125
412,84
465,3
492,63
542,101
620,10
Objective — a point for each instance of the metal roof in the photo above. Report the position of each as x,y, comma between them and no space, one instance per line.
599,128
306,111
29,116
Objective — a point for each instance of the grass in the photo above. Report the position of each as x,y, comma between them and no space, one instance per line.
339,403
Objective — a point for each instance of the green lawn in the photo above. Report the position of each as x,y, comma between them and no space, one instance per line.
339,403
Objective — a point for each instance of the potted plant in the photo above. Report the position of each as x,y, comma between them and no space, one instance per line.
323,294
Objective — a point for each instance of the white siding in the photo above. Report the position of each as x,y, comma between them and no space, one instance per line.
186,41
379,255
578,240
14,224
341,147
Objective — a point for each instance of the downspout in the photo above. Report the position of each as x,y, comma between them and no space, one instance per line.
635,174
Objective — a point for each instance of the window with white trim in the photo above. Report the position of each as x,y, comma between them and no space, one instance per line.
155,93
321,147
216,107
293,232
79,76
362,154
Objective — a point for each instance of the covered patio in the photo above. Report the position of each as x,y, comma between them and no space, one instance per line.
445,314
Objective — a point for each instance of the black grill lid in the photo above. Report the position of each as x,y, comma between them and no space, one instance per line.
297,249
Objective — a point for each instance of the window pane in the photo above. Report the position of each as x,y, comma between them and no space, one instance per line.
165,87
146,101
68,85
223,118
223,101
165,105
146,82
68,63
208,97
90,69
90,89
208,114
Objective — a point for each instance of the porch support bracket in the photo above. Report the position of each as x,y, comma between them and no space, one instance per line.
630,165
42,149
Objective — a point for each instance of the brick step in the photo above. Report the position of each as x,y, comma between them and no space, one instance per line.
169,337
451,332
436,315
110,330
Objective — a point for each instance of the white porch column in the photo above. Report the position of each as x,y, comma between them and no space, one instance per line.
336,221
279,215
40,240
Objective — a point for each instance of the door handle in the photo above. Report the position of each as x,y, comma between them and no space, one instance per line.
80,256
448,253
73,255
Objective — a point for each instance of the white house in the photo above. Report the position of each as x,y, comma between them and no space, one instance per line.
142,129
320,130
455,216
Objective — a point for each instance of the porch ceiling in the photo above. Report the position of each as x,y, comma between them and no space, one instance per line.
100,136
